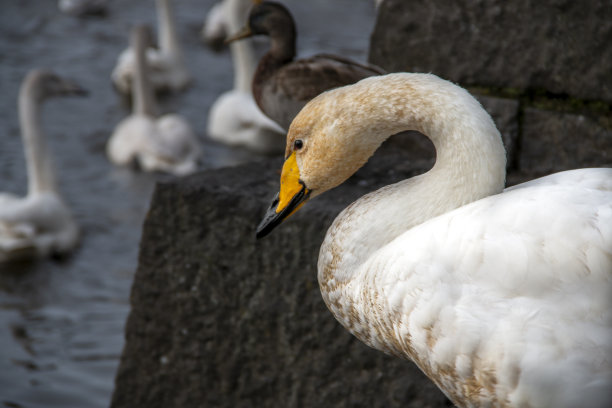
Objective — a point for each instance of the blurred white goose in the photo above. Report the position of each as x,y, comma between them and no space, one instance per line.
502,297
40,223
168,71
235,118
163,144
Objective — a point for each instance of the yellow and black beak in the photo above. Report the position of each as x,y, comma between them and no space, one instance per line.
293,194
245,32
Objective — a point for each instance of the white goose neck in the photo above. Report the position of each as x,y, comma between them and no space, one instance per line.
41,174
470,163
142,91
168,39
243,55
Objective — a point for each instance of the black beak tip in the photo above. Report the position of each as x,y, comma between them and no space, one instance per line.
269,221
262,231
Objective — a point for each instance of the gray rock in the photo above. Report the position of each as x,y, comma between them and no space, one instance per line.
564,47
219,319
505,113
555,141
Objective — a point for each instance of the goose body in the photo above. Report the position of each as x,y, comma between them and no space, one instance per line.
165,143
168,71
40,223
502,297
282,85
234,118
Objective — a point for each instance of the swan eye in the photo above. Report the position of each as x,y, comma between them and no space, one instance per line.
298,144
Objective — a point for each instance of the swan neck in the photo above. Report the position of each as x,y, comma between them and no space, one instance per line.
470,162
168,39
41,174
243,54
142,91
470,156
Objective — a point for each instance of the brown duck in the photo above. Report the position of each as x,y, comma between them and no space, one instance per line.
282,85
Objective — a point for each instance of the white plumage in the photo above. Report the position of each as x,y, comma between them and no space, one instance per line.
503,298
168,70
235,118
40,223
165,143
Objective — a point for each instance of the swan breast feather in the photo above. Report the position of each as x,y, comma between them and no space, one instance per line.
502,295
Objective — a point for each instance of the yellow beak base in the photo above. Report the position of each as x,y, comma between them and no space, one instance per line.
293,194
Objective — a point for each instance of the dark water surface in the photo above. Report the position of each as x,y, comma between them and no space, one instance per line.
61,321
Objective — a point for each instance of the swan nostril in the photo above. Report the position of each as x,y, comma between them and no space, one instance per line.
275,201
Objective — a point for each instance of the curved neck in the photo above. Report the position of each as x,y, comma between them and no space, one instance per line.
168,40
470,162
41,175
143,97
243,55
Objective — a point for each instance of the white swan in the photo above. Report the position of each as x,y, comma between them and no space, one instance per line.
235,118
40,223
164,144
168,69
502,297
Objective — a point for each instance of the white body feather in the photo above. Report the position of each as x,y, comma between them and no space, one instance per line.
39,224
157,144
235,119
514,289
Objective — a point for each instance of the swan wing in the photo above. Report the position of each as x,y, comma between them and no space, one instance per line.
508,298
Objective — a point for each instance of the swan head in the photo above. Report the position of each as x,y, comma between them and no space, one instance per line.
267,18
328,141
42,84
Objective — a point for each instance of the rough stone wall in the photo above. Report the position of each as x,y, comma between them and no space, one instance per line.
219,319
551,59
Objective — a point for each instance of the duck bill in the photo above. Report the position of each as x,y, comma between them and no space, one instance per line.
245,32
292,196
